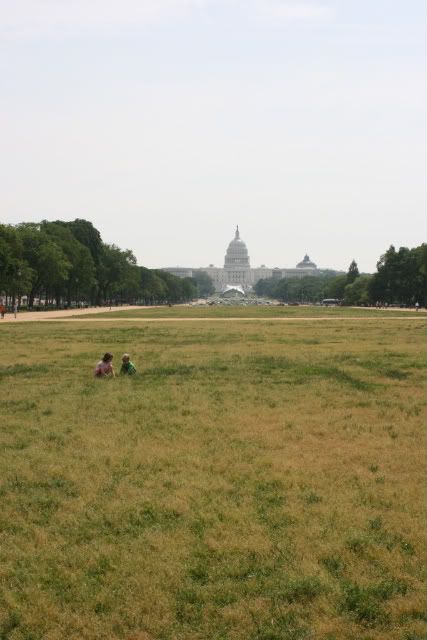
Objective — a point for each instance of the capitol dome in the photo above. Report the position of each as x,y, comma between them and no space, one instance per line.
306,263
237,254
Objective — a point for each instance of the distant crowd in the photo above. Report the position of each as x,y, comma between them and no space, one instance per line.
3,310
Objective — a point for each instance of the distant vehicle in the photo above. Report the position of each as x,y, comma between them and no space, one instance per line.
329,302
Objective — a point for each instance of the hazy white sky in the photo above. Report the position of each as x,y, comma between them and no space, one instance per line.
168,122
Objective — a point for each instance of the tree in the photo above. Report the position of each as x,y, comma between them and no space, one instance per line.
357,293
114,271
15,274
81,276
153,289
189,289
266,287
89,236
352,273
401,276
308,289
174,291
49,265
420,283
280,290
10,248
305,289
204,284
335,287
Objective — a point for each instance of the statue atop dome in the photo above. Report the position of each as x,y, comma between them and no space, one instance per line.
306,263
237,236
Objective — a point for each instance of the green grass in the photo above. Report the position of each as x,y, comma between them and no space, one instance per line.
254,481
251,311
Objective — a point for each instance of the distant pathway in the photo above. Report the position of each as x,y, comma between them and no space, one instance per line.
31,316
281,319
71,315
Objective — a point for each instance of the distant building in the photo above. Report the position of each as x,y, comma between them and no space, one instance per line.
233,291
237,271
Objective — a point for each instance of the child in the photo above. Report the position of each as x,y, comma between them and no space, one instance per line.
127,368
104,368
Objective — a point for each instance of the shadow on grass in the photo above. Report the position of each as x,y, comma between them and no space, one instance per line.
365,603
28,371
18,405
301,372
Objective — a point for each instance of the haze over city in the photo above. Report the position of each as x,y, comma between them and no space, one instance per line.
167,123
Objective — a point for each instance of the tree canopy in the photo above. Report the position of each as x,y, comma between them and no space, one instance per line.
64,263
401,278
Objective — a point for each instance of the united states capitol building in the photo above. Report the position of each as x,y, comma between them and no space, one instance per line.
237,272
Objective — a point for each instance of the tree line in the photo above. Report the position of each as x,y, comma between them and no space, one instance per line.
67,263
401,278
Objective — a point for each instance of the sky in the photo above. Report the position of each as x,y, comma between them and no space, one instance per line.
168,122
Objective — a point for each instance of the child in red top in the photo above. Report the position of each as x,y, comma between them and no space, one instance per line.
104,368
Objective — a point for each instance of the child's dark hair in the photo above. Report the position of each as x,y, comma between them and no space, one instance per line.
107,357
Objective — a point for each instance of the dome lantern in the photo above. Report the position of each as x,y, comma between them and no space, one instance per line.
306,263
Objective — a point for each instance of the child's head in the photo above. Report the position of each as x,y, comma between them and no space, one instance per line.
107,357
126,358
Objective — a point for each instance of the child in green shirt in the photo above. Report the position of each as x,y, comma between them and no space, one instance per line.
127,368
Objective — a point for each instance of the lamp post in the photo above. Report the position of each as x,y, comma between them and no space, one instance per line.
15,302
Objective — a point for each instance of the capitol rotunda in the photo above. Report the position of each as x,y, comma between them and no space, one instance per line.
237,270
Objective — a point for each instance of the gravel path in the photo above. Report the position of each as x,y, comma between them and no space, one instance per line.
281,319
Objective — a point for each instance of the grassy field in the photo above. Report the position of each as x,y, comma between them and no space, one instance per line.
254,481
272,311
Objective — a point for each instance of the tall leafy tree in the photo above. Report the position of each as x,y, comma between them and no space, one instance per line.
118,274
10,250
266,287
189,289
89,236
420,283
353,272
335,287
401,276
203,283
47,261
15,274
357,292
81,276
153,289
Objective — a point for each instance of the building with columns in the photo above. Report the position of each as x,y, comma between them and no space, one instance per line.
237,270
